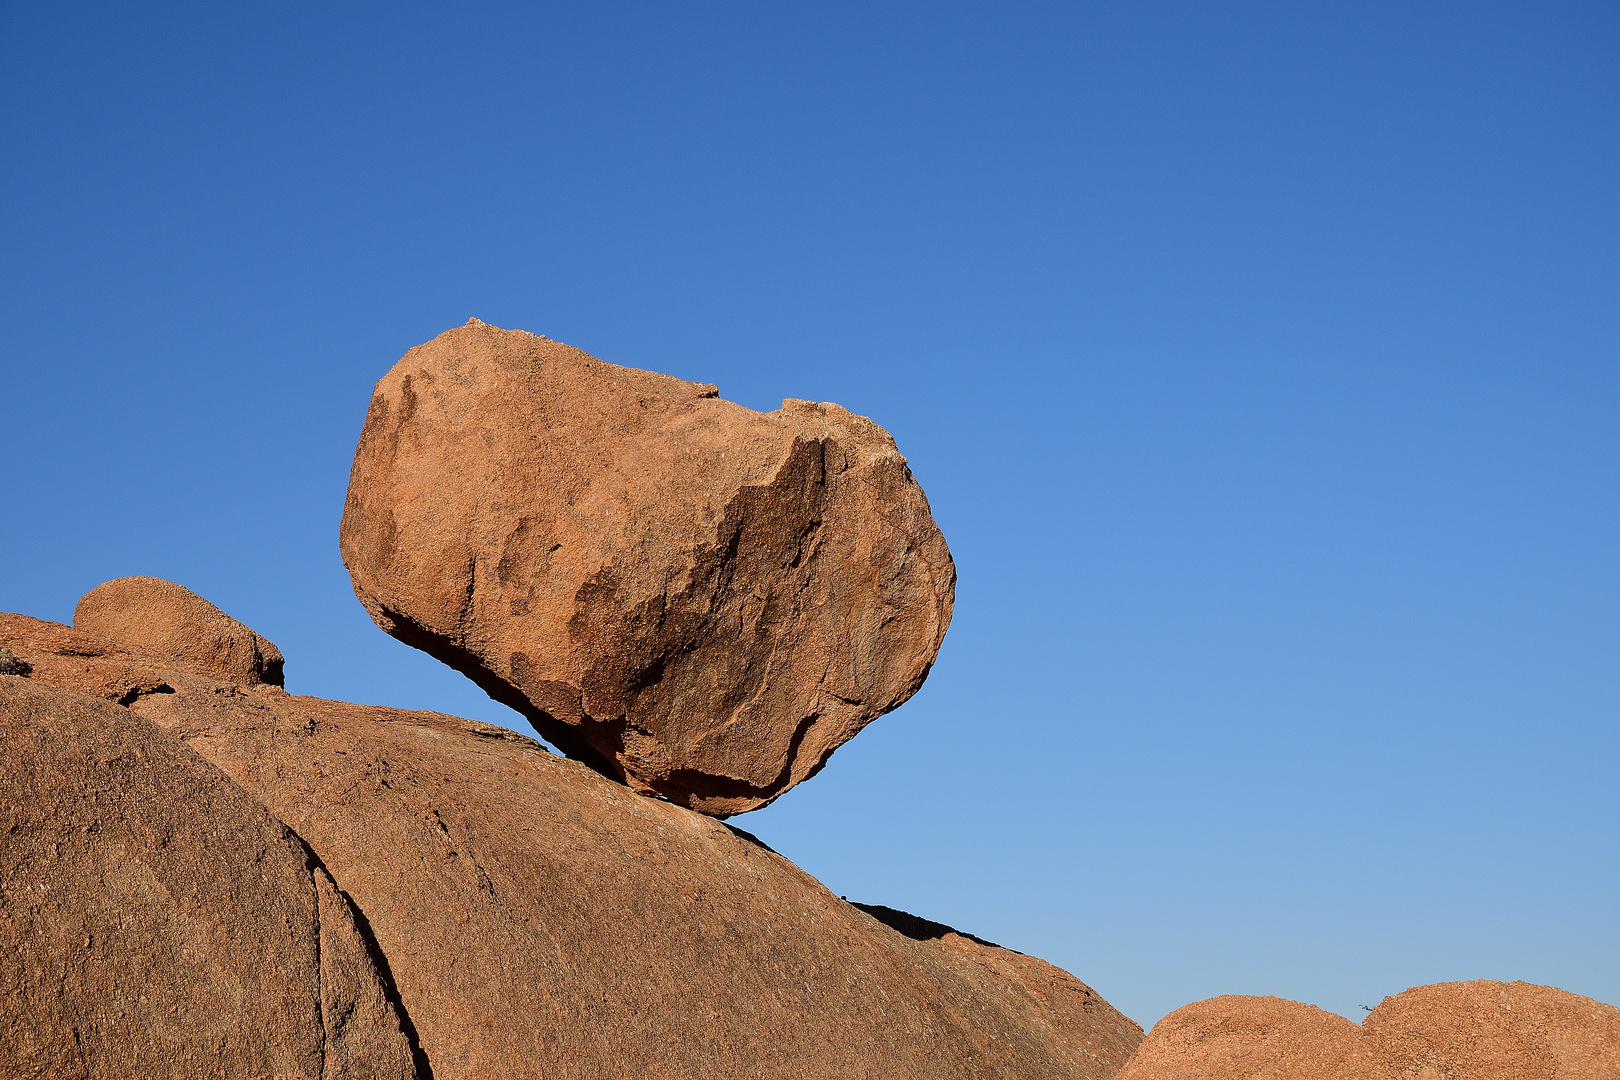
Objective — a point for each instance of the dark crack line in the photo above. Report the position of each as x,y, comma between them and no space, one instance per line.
385,975
379,961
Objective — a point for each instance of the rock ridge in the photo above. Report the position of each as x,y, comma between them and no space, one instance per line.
531,917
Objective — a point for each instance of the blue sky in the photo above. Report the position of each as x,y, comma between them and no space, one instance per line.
1259,361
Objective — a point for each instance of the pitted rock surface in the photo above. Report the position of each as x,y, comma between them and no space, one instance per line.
538,919
171,622
1480,1030
699,599
157,921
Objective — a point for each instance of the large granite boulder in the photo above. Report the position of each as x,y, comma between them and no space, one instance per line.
156,921
538,919
1480,1030
701,600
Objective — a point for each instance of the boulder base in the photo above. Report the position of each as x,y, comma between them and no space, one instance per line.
538,919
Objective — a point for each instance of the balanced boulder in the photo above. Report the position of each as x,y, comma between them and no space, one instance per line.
696,598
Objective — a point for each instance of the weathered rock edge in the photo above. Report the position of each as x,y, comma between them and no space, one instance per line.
695,598
170,620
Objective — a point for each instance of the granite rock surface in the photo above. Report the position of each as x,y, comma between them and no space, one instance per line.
1480,1030
155,920
151,615
537,919
698,599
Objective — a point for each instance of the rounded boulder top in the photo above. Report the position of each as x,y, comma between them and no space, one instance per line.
1238,1037
698,599
1481,1029
173,623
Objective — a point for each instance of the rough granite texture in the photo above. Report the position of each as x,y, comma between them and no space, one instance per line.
157,921
538,919
171,620
1479,1030
696,598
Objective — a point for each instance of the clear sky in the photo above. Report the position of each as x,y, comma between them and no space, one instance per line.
1261,363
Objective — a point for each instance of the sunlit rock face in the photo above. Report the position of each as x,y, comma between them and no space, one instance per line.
528,916
701,600
1464,1030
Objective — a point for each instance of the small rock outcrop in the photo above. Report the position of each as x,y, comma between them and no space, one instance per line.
171,622
1479,1030
1500,1030
1238,1037
157,921
701,600
537,919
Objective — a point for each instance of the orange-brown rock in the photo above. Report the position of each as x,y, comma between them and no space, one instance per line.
172,622
1478,1030
540,920
157,921
1489,1030
699,599
58,655
1244,1038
